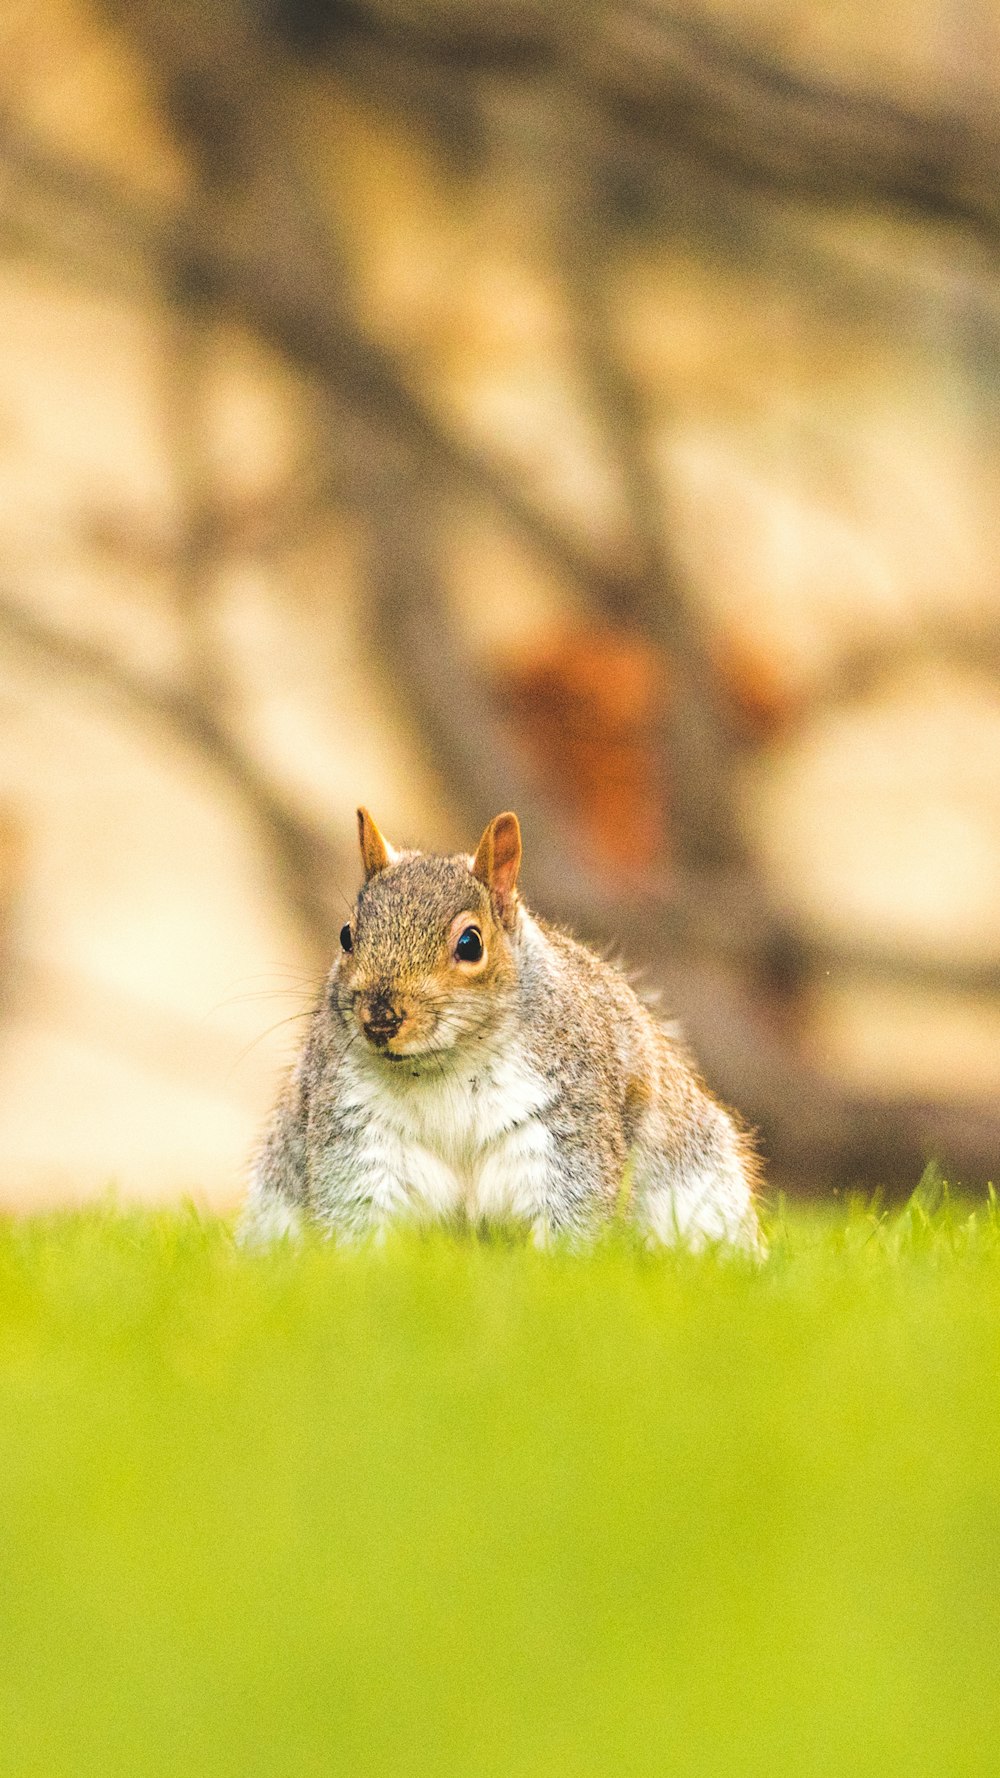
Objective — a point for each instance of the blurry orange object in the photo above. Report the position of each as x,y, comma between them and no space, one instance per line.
758,686
588,707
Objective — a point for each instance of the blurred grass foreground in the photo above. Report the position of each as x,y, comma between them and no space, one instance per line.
456,1508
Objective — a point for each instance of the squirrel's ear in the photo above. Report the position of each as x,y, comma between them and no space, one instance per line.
497,860
376,852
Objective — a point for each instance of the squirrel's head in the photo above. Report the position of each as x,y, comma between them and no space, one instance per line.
426,959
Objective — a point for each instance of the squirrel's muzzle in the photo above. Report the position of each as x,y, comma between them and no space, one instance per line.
380,1019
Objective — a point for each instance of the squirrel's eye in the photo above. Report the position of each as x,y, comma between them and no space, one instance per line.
469,948
347,942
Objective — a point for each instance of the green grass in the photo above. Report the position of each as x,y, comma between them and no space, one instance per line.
459,1509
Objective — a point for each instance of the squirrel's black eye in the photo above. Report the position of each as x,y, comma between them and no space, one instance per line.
469,948
346,941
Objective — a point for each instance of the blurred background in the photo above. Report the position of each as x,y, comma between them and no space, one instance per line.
588,409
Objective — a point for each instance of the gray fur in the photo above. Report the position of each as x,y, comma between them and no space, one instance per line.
548,1055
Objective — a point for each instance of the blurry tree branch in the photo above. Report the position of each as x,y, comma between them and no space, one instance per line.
967,645
698,742
663,73
199,550
816,1131
265,249
254,243
302,855
293,304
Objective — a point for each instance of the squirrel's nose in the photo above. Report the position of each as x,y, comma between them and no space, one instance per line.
380,1019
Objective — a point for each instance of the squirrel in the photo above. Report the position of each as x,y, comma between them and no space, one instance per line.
469,1061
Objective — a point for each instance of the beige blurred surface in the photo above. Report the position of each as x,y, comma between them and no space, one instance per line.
826,449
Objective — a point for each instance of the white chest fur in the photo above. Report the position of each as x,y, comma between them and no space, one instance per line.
467,1138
